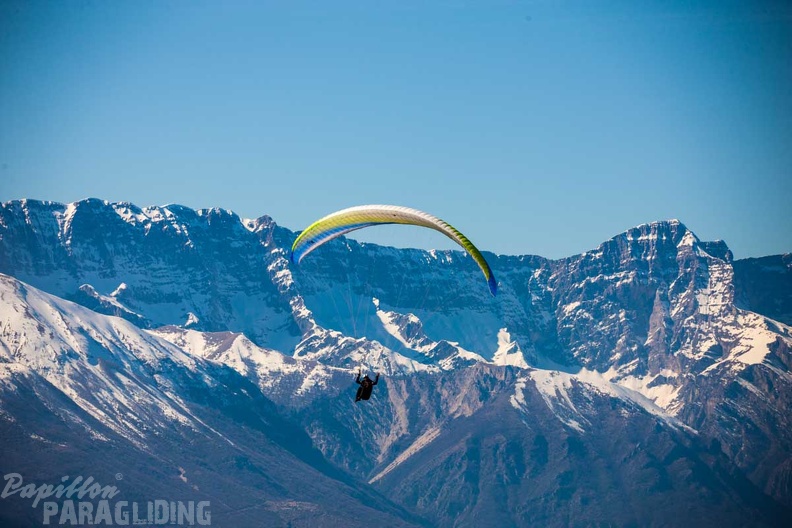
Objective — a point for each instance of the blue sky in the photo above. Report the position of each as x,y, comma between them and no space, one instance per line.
534,127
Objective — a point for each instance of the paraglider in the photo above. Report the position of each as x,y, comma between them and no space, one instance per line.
341,222
366,386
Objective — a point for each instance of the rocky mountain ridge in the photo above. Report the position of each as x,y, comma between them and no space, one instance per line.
668,326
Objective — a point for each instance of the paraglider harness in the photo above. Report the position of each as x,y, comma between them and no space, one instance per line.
366,386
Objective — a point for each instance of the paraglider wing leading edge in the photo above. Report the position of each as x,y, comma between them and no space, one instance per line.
341,222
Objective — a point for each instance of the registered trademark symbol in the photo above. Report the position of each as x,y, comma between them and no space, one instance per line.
119,476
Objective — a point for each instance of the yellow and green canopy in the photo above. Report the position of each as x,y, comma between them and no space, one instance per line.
341,222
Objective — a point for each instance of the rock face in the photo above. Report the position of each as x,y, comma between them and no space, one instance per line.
764,285
505,459
642,382
159,266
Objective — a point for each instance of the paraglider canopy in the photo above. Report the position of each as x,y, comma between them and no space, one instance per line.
341,222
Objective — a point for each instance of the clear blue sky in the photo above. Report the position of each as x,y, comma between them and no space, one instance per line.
534,127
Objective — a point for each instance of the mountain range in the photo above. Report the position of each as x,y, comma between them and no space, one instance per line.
643,383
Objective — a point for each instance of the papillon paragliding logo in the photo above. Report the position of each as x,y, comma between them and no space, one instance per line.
85,502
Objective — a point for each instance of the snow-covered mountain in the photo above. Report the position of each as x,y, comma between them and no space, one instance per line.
645,378
89,394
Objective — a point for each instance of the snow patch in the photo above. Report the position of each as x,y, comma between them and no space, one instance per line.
508,351
755,340
556,386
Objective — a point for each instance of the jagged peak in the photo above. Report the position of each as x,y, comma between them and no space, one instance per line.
660,226
136,215
673,230
216,211
24,202
254,225
718,249
92,201
29,205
